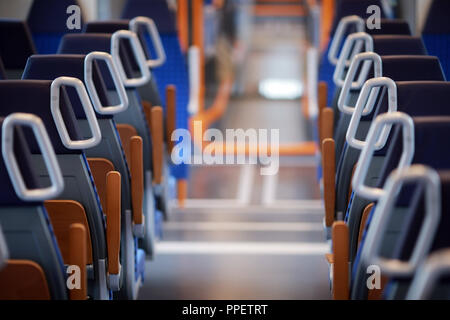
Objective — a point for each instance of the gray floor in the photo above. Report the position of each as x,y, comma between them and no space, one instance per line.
185,273
222,252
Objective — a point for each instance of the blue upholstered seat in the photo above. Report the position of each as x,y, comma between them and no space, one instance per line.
47,20
174,71
26,226
436,33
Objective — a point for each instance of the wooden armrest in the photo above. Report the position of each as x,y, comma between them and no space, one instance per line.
78,250
157,143
147,106
327,126
132,145
63,214
329,177
171,107
109,188
322,103
137,179
126,132
113,207
340,263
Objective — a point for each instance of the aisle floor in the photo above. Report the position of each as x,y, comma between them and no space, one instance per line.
217,248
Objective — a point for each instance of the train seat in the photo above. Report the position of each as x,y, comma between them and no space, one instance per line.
428,132
397,68
34,96
34,269
135,115
174,71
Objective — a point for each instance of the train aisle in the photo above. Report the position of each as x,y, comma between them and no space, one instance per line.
227,243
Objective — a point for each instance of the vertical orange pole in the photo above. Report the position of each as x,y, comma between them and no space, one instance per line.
183,24
198,41
327,22
182,192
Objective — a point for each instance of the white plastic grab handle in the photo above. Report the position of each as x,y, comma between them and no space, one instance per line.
355,40
194,79
88,79
138,53
48,153
428,274
383,212
366,154
339,35
150,25
362,108
348,83
88,110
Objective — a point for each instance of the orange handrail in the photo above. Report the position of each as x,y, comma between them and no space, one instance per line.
183,24
327,22
198,41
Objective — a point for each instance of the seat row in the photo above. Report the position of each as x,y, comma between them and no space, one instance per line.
384,162
86,135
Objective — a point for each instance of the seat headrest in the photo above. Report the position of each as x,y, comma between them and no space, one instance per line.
8,196
420,98
85,43
424,98
112,26
109,26
415,219
437,21
16,43
398,45
158,10
33,96
346,8
50,67
431,133
391,26
417,99
406,68
412,68
49,16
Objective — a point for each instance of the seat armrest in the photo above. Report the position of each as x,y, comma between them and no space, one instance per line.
108,184
132,145
78,258
322,95
157,130
137,184
327,126
340,261
113,208
329,177
171,109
